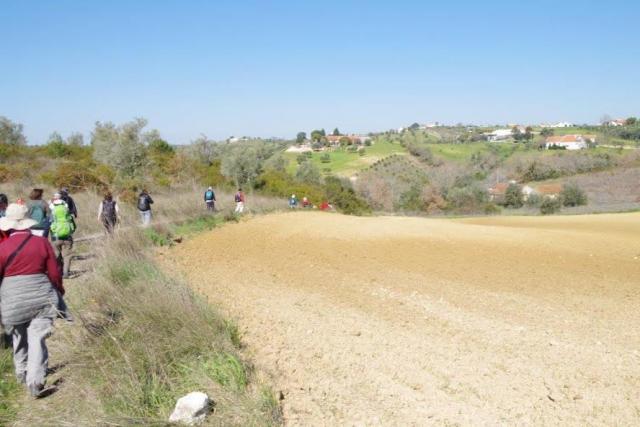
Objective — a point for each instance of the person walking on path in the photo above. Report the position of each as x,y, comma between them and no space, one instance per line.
30,296
210,199
73,210
108,213
239,199
62,229
39,212
144,206
293,202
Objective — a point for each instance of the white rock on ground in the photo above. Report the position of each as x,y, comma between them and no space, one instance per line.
191,409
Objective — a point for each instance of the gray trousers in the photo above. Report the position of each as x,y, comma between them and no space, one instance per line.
145,216
30,354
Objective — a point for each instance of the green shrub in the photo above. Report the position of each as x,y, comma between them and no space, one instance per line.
411,200
572,195
550,205
513,196
533,200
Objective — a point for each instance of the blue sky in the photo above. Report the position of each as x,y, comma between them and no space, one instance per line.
272,68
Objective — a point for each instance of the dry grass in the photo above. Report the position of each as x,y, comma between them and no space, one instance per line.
141,338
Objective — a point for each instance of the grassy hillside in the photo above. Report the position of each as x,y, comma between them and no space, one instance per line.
345,163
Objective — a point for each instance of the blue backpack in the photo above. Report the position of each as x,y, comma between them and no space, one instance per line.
208,195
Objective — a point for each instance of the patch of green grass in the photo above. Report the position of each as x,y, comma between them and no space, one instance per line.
198,225
464,152
8,387
227,370
345,163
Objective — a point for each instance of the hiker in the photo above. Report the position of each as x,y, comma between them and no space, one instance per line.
4,202
144,206
30,296
108,213
39,212
293,202
62,229
73,210
239,198
305,202
210,199
325,206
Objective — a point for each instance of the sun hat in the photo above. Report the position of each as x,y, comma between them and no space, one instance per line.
16,218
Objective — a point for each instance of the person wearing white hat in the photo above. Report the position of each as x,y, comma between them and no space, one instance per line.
293,201
30,295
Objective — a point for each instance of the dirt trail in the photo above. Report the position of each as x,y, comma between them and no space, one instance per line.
402,321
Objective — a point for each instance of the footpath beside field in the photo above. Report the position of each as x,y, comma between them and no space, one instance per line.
406,321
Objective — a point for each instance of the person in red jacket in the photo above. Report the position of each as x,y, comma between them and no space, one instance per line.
30,295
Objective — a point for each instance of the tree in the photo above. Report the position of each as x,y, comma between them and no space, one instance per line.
56,147
513,196
631,121
300,137
121,147
11,133
572,195
517,134
316,135
76,139
605,119
308,173
547,132
336,132
414,126
528,133
243,163
204,150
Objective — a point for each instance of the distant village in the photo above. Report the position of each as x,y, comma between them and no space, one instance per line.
509,133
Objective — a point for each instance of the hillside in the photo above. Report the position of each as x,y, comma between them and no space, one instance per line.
393,320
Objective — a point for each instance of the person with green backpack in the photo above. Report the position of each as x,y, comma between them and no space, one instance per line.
38,210
62,229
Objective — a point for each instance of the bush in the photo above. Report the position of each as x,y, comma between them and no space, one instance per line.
513,196
550,206
533,200
325,158
572,195
411,200
344,198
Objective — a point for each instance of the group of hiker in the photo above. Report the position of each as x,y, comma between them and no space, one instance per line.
210,200
306,204
32,271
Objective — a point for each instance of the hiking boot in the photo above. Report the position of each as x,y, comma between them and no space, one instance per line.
35,390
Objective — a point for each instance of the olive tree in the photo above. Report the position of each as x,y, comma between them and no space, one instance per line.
11,133
122,147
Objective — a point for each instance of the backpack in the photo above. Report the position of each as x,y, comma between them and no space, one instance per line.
62,226
37,213
109,210
238,198
143,203
208,195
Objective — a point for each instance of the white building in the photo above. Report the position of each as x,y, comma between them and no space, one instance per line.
567,142
500,134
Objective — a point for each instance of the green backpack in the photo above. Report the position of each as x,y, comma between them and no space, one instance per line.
62,225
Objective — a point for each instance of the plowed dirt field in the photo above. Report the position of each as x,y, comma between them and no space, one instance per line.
406,321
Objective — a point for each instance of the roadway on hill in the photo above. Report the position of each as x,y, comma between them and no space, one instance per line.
407,321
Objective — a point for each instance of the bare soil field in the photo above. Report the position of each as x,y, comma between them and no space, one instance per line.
408,321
